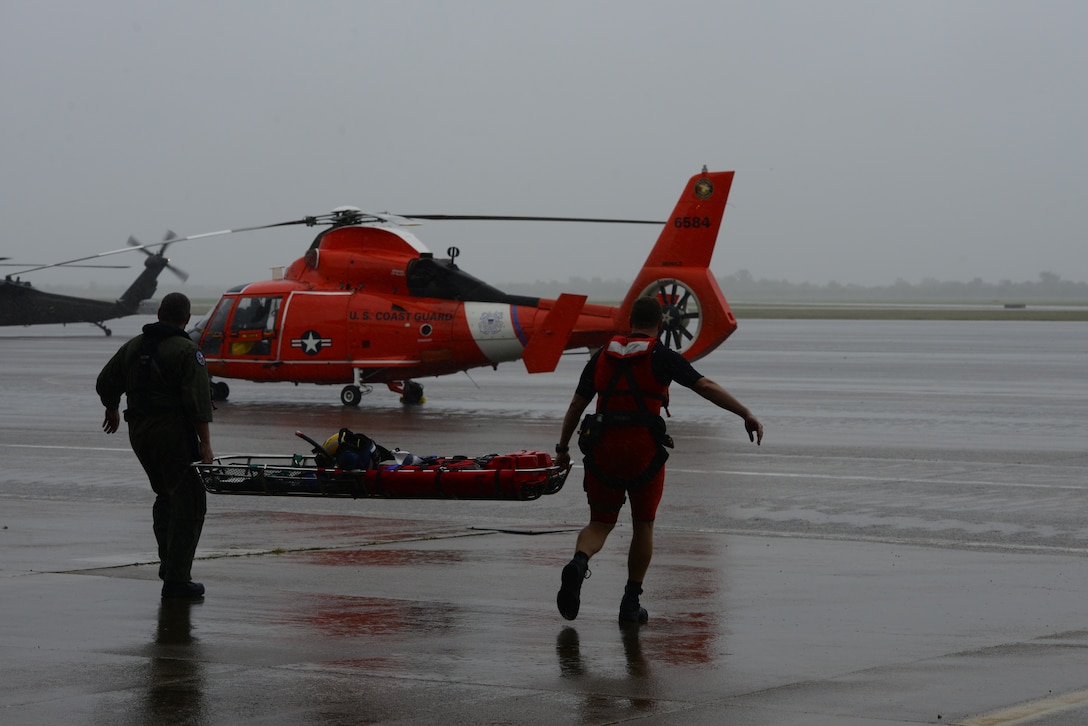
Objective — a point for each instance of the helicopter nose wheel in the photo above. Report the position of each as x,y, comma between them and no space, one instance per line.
680,311
220,391
350,395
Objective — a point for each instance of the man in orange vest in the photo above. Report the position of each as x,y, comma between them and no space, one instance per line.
626,446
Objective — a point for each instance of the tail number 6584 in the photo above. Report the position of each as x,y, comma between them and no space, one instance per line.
690,222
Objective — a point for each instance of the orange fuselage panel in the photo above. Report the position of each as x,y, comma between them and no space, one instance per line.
322,336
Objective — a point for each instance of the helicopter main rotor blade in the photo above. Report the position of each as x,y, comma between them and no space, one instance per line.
506,218
339,216
310,221
99,267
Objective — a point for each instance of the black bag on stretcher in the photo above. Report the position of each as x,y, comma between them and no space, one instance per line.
349,450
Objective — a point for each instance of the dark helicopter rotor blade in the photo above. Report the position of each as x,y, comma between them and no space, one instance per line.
507,218
167,239
178,272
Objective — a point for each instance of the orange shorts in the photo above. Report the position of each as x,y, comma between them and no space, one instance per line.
605,502
624,456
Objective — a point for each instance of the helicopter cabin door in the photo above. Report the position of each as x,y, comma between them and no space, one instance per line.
214,330
252,331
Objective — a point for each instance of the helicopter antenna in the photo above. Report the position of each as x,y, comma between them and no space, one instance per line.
471,378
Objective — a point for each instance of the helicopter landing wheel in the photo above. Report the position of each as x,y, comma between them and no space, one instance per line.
220,391
350,395
413,394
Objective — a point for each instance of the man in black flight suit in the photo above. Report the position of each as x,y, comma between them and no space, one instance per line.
163,376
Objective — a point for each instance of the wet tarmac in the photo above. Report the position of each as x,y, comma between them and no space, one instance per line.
908,546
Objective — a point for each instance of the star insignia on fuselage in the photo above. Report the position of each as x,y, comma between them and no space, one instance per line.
311,342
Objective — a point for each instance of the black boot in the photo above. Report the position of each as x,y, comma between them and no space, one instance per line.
569,597
631,613
183,590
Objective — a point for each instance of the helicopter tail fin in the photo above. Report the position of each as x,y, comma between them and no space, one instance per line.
144,286
542,353
677,271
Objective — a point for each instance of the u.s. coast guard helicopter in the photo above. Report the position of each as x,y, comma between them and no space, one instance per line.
368,303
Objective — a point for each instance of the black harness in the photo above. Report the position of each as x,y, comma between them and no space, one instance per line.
148,377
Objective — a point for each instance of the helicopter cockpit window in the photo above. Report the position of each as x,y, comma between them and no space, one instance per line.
254,325
212,340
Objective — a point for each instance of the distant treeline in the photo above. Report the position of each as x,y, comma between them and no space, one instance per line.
743,287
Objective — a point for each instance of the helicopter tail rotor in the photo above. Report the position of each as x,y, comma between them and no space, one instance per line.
159,258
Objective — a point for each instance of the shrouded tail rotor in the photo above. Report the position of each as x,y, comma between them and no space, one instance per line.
681,312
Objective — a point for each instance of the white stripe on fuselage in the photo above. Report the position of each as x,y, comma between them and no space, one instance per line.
493,328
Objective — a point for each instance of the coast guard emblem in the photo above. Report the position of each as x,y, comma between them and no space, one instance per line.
491,323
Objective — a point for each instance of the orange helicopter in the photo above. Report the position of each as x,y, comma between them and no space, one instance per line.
369,304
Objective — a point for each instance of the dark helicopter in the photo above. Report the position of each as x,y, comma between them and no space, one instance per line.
22,304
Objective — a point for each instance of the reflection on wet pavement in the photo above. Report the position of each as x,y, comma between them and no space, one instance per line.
362,617
381,557
604,695
175,672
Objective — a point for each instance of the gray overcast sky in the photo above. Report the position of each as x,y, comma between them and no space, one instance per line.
872,140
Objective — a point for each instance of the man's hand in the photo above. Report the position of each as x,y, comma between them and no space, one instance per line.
563,460
206,455
754,429
112,422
